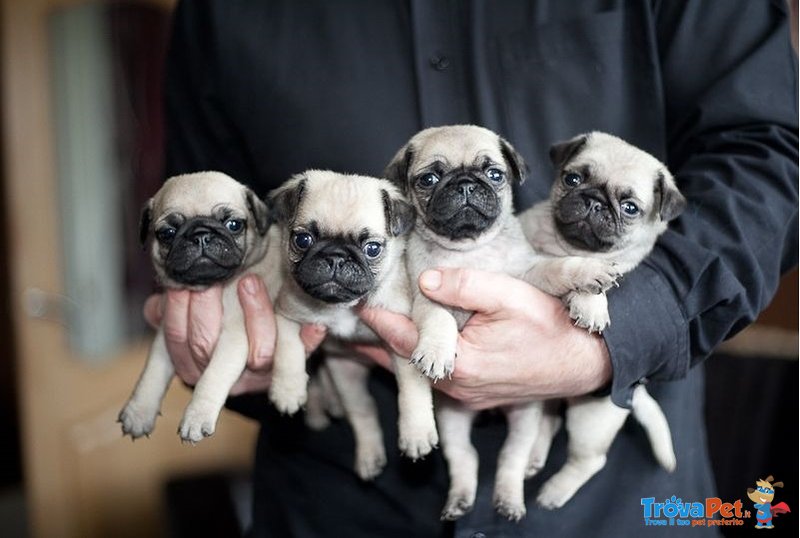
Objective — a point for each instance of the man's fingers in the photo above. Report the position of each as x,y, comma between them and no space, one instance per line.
259,321
176,334
312,336
377,354
205,323
153,310
398,331
473,290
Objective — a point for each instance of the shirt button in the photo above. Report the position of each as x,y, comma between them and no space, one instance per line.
643,381
440,62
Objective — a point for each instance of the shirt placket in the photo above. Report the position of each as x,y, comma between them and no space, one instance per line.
441,84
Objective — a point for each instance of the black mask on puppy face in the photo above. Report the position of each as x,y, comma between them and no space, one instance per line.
201,250
460,203
334,268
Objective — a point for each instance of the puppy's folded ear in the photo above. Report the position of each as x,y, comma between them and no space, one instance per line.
514,161
400,215
562,152
145,218
669,200
284,201
397,169
259,210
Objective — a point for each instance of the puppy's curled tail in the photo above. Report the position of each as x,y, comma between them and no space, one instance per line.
649,414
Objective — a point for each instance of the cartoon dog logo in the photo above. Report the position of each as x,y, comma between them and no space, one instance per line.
762,497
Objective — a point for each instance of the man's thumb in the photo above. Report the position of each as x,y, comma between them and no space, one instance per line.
469,289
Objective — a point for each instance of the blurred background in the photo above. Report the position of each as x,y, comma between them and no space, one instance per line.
82,149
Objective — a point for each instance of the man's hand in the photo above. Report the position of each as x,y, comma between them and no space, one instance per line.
520,345
192,322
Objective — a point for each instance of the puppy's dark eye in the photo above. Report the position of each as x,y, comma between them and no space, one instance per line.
234,225
629,208
428,180
572,179
373,249
302,240
495,174
166,234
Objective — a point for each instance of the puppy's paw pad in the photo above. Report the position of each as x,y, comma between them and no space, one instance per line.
589,311
533,468
196,426
434,359
418,444
137,420
288,398
457,507
511,510
317,421
368,467
552,496
595,276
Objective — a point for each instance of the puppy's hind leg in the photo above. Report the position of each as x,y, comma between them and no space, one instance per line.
350,381
548,428
138,417
455,423
509,484
592,424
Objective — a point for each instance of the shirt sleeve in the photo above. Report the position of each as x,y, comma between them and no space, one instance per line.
730,89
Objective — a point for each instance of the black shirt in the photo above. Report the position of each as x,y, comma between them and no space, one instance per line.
262,90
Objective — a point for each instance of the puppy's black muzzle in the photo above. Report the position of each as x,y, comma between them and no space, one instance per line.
203,253
587,220
334,272
462,208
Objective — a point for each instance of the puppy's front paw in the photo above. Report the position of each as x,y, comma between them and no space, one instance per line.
137,419
457,505
289,397
434,357
512,509
370,462
589,311
417,441
198,423
594,276
554,494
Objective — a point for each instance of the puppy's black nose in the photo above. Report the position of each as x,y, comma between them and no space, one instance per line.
335,257
466,186
201,236
594,202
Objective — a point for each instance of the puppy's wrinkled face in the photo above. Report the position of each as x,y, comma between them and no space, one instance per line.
459,179
341,232
609,194
206,227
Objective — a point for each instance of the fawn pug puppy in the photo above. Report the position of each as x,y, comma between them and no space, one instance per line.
341,241
459,178
610,201
208,229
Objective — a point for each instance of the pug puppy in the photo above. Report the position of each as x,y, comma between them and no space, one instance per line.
610,201
342,239
208,229
459,179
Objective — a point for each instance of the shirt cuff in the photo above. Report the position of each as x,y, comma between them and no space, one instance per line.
648,338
